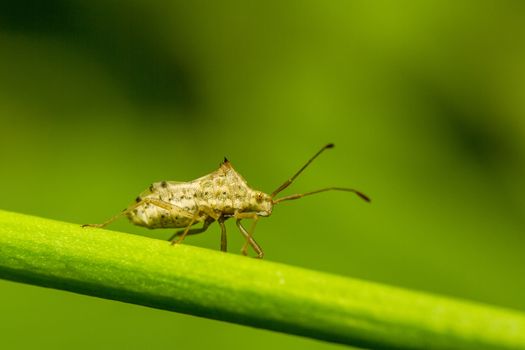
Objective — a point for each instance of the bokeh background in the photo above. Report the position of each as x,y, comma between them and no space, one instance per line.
425,102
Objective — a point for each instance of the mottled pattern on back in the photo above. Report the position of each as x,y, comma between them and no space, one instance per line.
223,192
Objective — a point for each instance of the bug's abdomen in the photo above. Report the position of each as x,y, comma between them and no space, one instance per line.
154,217
178,199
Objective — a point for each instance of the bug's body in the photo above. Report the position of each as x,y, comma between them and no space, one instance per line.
222,193
218,196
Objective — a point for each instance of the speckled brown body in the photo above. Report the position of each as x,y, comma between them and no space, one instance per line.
222,193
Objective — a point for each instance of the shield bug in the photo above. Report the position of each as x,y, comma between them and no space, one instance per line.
218,196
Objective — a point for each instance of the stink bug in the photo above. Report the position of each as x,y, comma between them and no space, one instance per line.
218,196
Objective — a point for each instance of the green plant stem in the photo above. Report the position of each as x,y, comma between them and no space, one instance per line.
247,291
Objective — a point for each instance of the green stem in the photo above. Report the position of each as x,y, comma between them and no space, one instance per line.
247,291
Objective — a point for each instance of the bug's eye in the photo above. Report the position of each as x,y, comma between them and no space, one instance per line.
259,197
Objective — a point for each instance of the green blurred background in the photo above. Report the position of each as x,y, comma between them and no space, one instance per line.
425,102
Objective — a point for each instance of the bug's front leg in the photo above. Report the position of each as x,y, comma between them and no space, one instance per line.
249,234
244,249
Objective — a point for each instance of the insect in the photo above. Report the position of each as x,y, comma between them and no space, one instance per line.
218,196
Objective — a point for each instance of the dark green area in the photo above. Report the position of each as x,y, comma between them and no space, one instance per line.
425,103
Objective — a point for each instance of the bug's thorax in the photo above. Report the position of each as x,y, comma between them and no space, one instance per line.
227,192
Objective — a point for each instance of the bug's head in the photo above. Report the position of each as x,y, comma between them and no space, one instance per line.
262,203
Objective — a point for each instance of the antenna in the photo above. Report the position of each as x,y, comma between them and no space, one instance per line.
301,195
290,180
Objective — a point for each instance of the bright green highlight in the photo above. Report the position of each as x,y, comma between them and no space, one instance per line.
247,291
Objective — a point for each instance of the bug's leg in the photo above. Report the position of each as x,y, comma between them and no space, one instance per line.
250,239
187,229
193,231
244,249
248,235
184,233
255,218
224,242
213,215
115,217
107,222
168,206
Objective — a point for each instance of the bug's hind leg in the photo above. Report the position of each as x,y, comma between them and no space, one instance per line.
187,231
249,234
115,217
